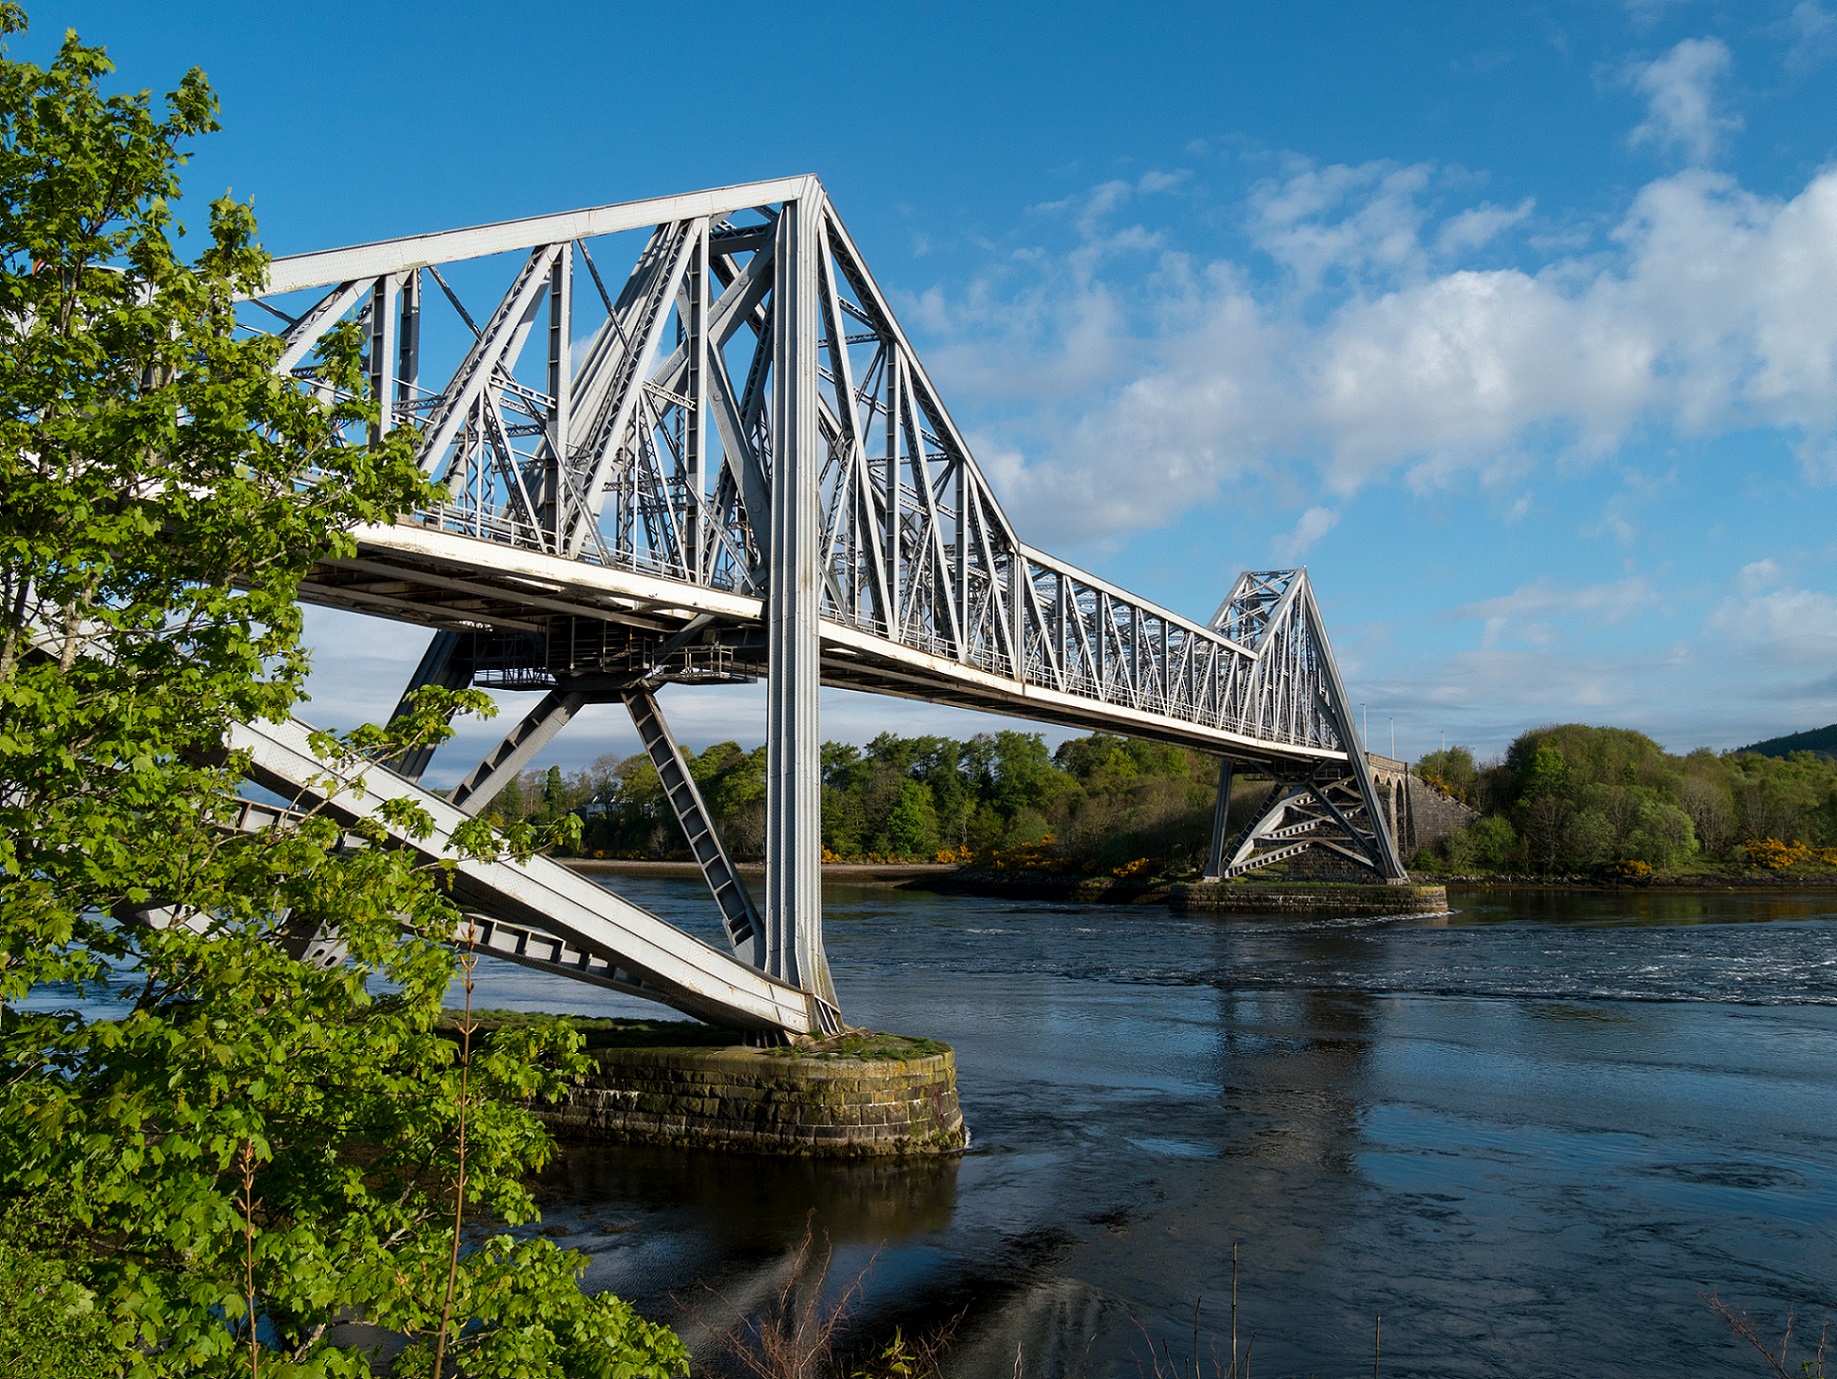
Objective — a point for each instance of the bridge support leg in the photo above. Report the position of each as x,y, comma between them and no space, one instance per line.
741,920
447,662
1328,811
1221,809
793,829
517,750
1379,841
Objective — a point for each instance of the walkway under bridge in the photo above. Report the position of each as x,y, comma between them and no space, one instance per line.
725,462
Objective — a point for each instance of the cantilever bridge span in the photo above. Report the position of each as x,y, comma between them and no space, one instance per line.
723,460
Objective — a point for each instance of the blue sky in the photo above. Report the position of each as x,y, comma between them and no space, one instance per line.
1516,324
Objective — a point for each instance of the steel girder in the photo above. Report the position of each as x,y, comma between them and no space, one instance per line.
735,437
535,912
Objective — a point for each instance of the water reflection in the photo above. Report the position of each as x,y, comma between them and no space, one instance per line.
1527,1136
747,1202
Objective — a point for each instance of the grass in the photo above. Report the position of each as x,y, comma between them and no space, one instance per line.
795,1335
598,1033
868,1045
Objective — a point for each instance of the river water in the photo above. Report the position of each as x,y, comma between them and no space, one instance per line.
1530,1135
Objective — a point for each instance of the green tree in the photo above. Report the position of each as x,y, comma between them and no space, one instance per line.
554,796
733,784
1544,806
249,1148
912,826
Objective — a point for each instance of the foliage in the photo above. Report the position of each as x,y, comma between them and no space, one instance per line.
1572,798
50,1325
1488,844
250,1148
1097,803
1823,741
1452,771
1775,855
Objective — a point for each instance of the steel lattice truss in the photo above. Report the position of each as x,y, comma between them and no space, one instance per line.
627,423
686,439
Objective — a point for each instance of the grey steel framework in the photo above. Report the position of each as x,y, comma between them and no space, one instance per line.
727,462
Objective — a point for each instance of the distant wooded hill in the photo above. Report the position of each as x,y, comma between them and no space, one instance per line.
1820,740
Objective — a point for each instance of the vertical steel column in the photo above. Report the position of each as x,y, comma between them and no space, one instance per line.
896,613
408,343
1017,612
561,378
695,388
1215,861
960,591
793,816
382,346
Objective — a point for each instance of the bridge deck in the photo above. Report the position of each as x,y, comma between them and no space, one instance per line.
420,574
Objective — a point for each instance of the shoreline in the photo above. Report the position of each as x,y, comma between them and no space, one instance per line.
949,878
889,874
1707,885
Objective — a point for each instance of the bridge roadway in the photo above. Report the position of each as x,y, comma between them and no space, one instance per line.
732,464
422,574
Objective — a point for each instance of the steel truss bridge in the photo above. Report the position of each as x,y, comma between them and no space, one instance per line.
685,440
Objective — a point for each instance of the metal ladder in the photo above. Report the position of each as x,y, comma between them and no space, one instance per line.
739,916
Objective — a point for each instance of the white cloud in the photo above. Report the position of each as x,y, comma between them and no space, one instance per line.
1813,30
1758,575
1541,614
1137,381
1793,627
1297,220
1313,524
1157,181
1680,92
1481,225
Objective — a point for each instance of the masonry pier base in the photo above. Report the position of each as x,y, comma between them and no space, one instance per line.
1311,897
853,1096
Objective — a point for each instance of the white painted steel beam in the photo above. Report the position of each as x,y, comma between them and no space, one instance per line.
486,781
667,964
296,272
1221,809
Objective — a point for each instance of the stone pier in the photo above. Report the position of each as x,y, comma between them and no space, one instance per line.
855,1095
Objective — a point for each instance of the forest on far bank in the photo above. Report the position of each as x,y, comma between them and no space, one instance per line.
1572,799
1564,799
